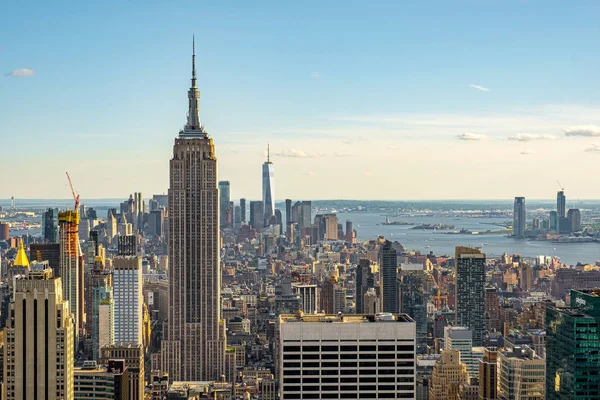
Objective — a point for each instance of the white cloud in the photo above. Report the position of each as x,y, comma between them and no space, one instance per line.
315,75
471,136
478,87
295,153
344,154
347,141
527,152
526,137
309,173
583,130
594,149
21,73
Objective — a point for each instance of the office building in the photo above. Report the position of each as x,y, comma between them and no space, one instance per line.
224,199
488,374
346,356
288,212
572,357
305,214
309,297
127,245
257,220
470,292
574,216
521,374
69,263
100,382
519,217
128,299
133,355
237,217
561,204
566,279
39,342
268,188
50,225
46,252
389,277
364,280
461,339
243,209
101,317
193,345
448,373
331,226
155,222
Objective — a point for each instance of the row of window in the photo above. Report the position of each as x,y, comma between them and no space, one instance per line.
362,372
348,356
381,379
346,364
368,395
354,388
326,348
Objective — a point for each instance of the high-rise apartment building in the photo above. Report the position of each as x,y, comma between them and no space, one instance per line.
364,280
193,346
389,277
70,263
519,217
288,212
346,356
572,357
553,220
268,188
305,214
46,252
561,204
309,297
224,199
488,374
39,342
50,225
331,226
128,299
470,292
448,373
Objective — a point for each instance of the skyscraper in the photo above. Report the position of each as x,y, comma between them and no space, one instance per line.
553,220
389,277
193,348
572,337
488,374
305,214
574,216
268,188
50,225
243,209
519,217
257,220
561,204
470,292
288,212
69,261
224,199
39,344
128,299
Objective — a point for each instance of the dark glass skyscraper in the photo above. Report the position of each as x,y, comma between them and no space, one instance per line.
519,217
224,199
561,204
470,292
243,209
573,348
50,225
389,275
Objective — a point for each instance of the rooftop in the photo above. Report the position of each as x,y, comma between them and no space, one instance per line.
346,318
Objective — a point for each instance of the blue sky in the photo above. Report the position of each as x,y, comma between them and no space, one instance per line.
370,100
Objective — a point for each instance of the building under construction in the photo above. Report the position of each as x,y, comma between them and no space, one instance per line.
70,263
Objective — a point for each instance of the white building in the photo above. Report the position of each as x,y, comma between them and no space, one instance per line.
128,299
309,297
346,356
461,339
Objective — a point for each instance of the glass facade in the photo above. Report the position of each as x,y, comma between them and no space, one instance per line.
573,348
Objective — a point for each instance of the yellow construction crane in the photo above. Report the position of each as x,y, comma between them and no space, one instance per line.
75,195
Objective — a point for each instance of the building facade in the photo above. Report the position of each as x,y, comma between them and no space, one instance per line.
268,188
39,342
70,252
128,299
519,217
348,357
193,346
470,292
389,277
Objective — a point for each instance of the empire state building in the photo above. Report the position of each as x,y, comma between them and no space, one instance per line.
193,348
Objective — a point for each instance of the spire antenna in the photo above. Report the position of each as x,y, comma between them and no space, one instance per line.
193,60
268,153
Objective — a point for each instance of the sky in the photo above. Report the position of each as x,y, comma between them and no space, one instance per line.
358,100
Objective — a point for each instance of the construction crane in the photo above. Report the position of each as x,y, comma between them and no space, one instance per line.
75,195
439,298
560,186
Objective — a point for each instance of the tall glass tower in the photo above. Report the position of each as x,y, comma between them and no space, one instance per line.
469,267
519,217
193,348
268,188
